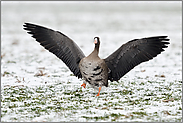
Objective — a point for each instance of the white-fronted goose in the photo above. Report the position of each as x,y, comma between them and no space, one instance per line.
93,69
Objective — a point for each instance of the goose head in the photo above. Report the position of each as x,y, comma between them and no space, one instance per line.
97,41
97,44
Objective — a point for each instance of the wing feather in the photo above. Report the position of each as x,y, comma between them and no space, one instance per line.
59,44
133,53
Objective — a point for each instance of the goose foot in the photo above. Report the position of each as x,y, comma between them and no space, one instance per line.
84,85
99,91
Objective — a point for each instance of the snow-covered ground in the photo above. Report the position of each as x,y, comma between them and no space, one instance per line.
37,86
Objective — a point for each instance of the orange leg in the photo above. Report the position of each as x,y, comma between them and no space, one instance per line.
84,85
99,91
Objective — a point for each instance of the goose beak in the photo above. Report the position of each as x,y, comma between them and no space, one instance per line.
95,41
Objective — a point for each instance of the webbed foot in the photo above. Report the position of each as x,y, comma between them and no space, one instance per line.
99,91
84,85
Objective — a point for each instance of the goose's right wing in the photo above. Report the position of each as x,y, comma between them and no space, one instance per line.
59,44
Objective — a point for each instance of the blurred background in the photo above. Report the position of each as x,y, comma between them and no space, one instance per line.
114,22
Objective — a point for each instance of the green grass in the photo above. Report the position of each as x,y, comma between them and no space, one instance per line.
32,102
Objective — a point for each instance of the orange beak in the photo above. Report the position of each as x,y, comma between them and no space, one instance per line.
95,41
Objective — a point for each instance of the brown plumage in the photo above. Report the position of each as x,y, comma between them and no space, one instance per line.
93,69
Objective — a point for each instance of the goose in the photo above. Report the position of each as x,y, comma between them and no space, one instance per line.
92,69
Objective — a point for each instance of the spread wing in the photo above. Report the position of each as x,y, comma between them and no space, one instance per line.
59,44
133,53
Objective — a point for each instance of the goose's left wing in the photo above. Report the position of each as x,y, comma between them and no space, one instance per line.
133,53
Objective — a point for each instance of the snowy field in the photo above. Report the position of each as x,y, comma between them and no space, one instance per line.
37,86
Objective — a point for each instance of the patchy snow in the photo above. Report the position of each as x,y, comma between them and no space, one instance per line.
37,86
